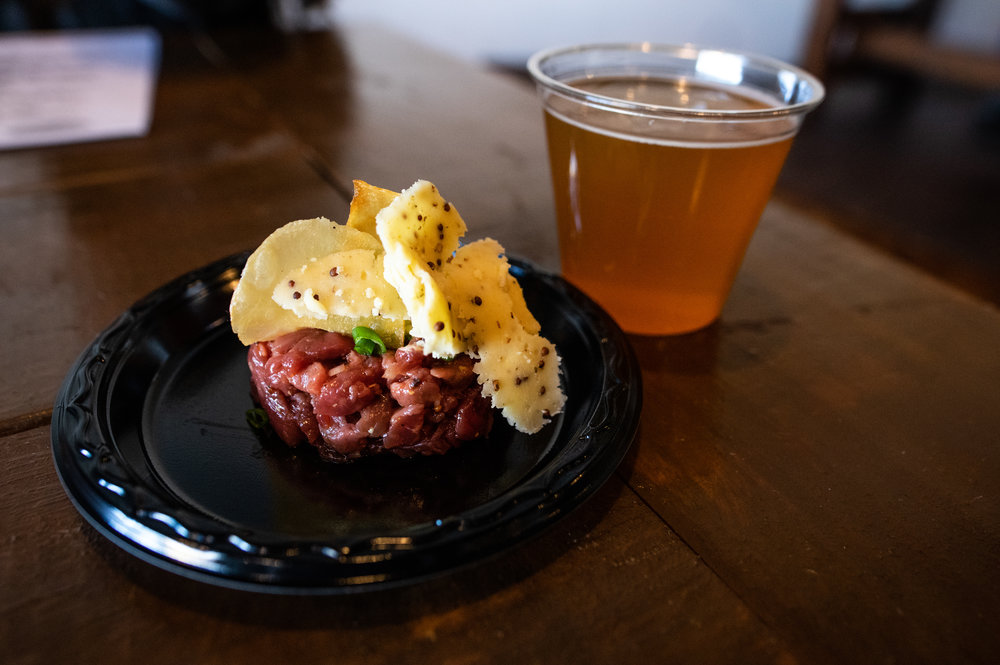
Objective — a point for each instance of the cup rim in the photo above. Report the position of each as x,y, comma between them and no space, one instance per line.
689,51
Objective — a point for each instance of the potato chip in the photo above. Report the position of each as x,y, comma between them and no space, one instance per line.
368,200
256,316
347,283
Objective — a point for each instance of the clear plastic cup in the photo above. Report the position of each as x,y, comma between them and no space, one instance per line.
663,158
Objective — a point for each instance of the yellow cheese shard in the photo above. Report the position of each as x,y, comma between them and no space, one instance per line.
521,377
517,368
420,231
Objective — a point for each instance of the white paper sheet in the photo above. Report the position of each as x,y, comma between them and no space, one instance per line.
70,87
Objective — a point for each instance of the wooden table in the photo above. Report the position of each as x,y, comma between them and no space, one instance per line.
815,478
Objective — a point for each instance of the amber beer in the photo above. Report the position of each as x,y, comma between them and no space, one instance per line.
663,158
654,229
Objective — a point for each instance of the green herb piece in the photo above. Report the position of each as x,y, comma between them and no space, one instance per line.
257,418
367,342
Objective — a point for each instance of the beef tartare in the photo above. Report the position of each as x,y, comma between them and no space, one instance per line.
317,389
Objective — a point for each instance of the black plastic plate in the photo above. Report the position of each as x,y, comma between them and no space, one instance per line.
150,439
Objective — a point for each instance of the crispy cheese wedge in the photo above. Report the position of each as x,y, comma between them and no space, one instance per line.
420,231
517,367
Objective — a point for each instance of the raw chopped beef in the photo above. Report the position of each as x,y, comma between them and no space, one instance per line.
315,388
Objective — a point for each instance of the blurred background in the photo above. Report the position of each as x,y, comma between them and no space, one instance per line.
904,152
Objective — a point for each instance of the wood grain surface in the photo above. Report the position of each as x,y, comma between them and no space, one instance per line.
814,479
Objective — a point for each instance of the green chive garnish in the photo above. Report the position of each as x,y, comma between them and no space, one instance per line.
367,342
257,418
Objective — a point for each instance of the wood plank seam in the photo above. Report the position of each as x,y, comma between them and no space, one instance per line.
25,422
